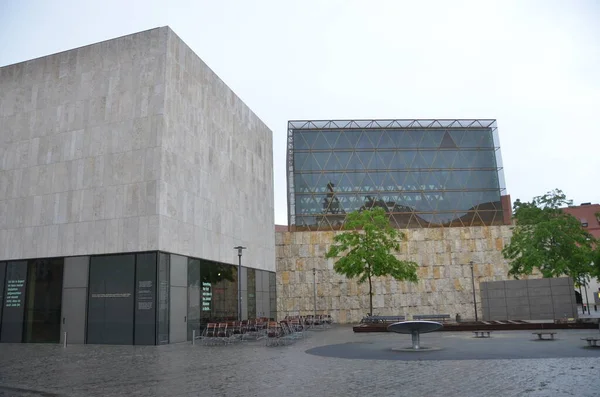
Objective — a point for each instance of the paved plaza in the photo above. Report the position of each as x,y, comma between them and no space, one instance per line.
331,362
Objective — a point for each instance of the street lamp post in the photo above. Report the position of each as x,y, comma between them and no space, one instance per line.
239,249
315,294
474,298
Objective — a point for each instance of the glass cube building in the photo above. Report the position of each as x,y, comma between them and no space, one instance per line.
424,173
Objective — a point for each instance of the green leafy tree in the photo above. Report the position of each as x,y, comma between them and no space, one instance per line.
548,239
367,250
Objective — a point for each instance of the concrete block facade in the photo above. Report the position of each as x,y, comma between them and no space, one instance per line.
535,299
216,182
129,145
444,286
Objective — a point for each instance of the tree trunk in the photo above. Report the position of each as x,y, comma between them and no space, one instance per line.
370,296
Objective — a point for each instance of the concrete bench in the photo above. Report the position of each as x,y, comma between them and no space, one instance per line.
381,319
592,341
540,334
482,334
435,317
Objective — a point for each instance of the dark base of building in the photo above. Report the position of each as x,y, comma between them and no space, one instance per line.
144,298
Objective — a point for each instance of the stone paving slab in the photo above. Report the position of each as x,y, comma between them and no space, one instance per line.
252,369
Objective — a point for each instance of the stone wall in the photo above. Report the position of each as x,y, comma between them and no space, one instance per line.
444,286
132,144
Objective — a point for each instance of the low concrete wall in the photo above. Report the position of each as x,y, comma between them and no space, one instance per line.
444,286
540,299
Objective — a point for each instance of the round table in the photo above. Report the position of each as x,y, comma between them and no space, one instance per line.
415,328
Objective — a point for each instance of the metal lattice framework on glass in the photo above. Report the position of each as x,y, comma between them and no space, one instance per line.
425,173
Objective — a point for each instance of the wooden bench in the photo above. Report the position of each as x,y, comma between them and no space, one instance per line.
482,334
435,317
381,319
540,334
592,341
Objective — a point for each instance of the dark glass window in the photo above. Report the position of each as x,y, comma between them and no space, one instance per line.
219,292
194,297
111,300
162,308
44,300
14,302
145,299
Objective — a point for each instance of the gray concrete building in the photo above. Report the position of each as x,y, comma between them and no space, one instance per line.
128,172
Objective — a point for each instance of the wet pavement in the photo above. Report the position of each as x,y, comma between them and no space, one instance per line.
339,362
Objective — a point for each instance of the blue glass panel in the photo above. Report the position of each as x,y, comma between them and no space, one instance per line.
356,179
411,181
416,136
403,140
466,159
320,142
310,164
354,163
490,196
388,182
382,160
416,178
431,138
333,164
487,141
428,202
428,157
411,199
457,136
331,177
430,181
331,137
442,177
300,142
448,142
353,136
471,200
471,139
310,137
486,158
344,184
398,178
321,159
460,179
483,180
343,141
311,181
404,160
386,141
306,205
343,158
365,158
451,201
446,159
374,137
377,178
364,142
368,185
300,185
300,159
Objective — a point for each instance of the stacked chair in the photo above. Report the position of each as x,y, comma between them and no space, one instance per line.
274,333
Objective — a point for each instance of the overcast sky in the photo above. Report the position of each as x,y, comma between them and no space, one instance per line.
532,65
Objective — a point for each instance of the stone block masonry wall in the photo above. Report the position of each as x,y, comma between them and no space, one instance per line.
216,184
444,285
128,145
79,158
